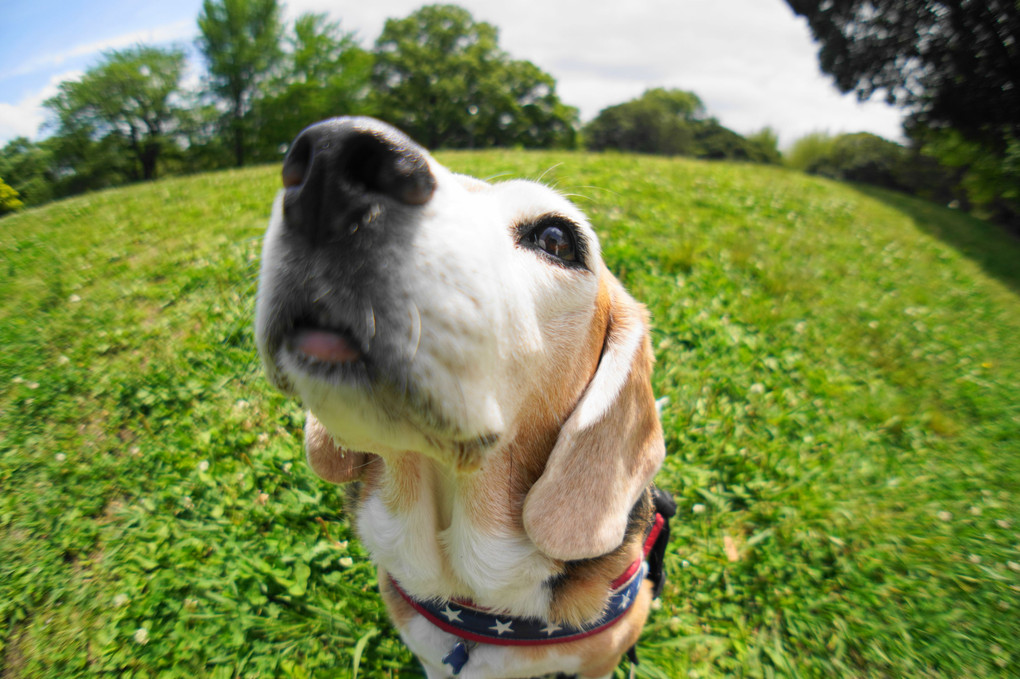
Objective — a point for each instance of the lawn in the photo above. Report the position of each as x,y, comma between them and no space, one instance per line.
843,433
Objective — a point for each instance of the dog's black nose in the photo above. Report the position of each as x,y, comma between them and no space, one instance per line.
339,171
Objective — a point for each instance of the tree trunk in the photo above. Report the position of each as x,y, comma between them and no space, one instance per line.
148,157
238,131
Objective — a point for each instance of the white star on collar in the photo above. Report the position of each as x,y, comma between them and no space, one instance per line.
501,627
625,600
551,629
451,614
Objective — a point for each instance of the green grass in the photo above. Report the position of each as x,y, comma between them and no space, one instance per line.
842,366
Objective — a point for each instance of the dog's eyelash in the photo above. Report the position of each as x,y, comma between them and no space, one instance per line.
556,237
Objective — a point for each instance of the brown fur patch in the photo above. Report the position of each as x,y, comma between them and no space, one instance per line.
602,652
402,481
606,455
496,493
328,460
583,590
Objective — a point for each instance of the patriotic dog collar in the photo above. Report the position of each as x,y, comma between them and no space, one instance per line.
477,624
474,625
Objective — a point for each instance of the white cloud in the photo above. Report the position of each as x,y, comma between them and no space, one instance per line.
180,30
24,118
750,61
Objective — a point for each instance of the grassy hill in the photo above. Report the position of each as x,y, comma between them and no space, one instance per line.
843,432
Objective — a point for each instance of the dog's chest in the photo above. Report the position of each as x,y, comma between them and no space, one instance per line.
444,553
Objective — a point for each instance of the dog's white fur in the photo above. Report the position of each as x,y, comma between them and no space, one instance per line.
541,432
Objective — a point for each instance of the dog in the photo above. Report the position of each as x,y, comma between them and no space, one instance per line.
475,372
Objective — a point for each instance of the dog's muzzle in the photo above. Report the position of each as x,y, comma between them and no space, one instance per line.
351,187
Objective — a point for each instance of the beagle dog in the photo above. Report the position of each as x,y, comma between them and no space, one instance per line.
470,364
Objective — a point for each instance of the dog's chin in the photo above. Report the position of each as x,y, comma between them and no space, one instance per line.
365,410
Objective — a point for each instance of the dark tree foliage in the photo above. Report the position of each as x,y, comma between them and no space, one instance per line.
952,63
25,165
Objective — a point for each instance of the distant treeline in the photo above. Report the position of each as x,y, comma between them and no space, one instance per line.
437,74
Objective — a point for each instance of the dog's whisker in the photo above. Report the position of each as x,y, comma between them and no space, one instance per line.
541,177
591,188
415,330
371,322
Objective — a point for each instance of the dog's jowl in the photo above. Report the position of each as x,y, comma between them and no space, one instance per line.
467,358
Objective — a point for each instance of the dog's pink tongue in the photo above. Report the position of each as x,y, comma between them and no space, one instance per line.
325,346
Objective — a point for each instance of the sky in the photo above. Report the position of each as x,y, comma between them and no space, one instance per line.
752,62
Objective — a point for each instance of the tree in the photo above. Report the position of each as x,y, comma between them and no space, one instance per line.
860,157
324,73
442,78
870,159
240,40
989,182
129,95
672,123
951,63
659,121
766,145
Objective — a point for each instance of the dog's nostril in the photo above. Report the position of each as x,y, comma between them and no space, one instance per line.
295,166
398,171
293,175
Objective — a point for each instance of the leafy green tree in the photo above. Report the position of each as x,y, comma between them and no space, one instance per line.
325,73
765,143
240,40
670,123
9,199
989,183
129,95
870,159
810,152
860,157
441,76
660,121
715,142
203,146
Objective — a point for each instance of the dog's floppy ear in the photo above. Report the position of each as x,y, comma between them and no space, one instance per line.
607,451
328,460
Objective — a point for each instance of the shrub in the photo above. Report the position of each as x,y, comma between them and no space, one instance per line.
9,201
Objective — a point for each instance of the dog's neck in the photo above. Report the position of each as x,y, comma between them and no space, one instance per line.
447,535
457,536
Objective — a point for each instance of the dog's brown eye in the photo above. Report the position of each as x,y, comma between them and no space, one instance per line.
555,239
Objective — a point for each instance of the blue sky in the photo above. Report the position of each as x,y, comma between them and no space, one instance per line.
751,61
